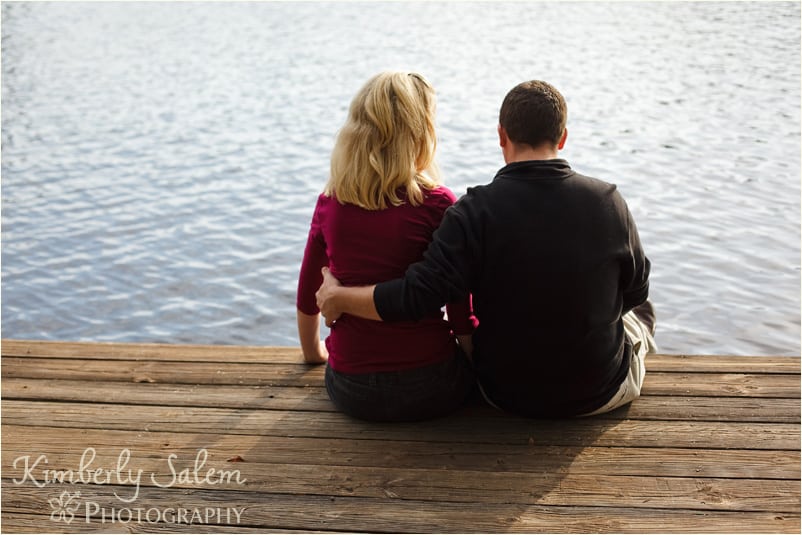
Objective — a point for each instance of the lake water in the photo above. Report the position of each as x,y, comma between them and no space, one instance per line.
160,161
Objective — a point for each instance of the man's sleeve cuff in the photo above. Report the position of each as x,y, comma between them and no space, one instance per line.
388,300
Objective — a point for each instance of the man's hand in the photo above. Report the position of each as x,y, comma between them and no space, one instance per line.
326,297
334,300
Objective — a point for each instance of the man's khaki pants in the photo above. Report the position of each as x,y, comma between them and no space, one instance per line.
642,343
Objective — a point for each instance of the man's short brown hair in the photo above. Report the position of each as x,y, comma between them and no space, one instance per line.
532,113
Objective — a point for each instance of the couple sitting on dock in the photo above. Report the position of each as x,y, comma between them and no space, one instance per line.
541,271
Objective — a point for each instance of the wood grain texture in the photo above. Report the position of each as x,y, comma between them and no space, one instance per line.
712,446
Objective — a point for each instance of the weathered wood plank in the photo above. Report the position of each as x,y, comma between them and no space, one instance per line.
721,384
272,374
37,523
158,352
179,372
315,398
311,398
661,462
493,429
723,409
480,487
258,354
657,383
389,514
723,364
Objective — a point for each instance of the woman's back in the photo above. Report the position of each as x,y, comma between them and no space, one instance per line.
363,247
376,216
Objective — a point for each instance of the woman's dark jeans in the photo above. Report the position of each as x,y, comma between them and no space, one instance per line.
403,396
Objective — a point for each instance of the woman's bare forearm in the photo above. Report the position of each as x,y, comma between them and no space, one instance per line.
309,335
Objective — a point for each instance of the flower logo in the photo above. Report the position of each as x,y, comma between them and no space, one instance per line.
63,507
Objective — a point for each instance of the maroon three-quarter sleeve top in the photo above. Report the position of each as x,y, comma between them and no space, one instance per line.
364,247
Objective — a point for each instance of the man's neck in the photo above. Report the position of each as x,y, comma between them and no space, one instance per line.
525,153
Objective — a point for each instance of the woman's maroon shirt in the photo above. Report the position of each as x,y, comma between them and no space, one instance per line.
363,247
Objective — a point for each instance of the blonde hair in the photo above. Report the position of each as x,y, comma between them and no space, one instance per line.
387,144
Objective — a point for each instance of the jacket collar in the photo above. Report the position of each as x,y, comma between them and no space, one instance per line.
536,169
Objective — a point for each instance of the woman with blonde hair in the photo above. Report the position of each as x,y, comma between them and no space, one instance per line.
376,216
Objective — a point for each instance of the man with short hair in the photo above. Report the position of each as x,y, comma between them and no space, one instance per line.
554,263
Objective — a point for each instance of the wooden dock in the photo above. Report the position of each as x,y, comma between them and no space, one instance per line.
157,438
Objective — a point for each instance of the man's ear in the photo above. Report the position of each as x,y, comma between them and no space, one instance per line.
561,144
502,137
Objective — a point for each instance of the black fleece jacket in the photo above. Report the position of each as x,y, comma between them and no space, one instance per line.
553,260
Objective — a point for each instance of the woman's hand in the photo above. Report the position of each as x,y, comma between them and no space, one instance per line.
321,356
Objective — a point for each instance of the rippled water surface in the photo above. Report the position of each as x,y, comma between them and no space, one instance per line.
160,161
